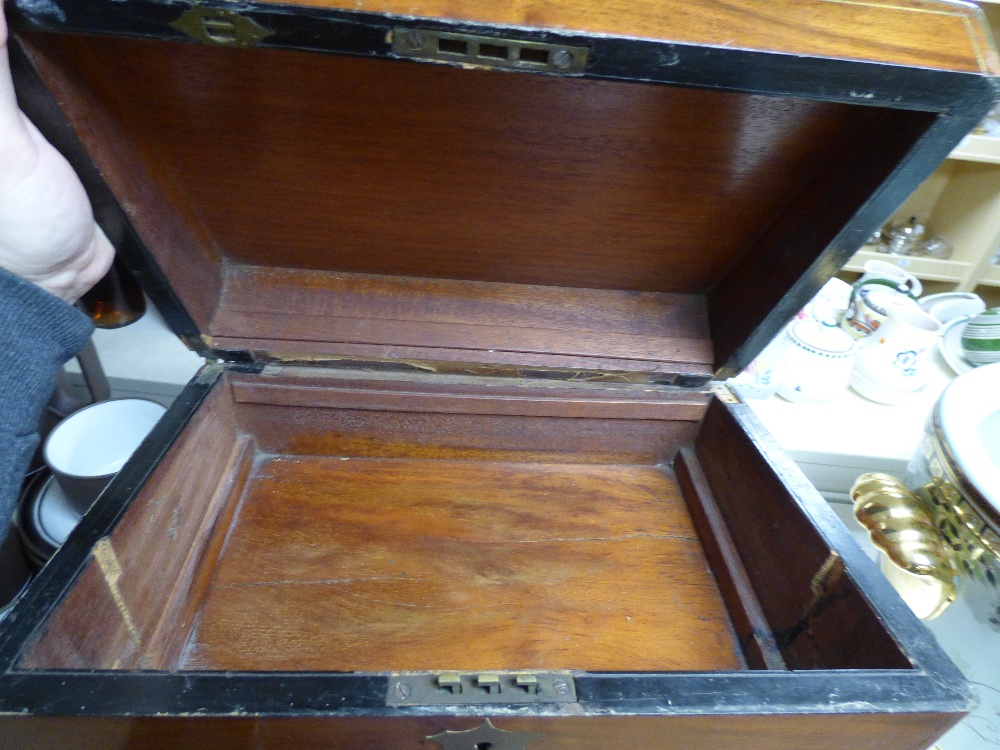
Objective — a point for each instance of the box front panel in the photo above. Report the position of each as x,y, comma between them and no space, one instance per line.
894,732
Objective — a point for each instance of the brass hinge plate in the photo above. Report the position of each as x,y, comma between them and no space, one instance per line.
489,52
724,393
220,26
479,688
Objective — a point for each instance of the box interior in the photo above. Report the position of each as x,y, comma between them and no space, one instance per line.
306,523
306,206
317,208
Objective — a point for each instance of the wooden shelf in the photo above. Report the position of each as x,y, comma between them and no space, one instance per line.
981,148
928,269
990,276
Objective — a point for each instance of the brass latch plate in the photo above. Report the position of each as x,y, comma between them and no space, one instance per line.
488,51
220,26
476,688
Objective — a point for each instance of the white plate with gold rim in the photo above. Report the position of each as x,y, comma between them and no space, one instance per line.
950,345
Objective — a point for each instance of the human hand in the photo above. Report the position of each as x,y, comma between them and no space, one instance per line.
47,230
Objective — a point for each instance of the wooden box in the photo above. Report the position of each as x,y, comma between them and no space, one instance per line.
469,275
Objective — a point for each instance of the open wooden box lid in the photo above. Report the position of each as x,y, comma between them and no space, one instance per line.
299,206
287,205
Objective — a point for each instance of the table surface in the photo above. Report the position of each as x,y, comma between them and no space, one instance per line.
834,443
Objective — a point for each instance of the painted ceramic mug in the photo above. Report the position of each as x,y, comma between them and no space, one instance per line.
891,364
870,306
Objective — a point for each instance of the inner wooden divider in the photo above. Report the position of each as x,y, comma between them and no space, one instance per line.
282,311
406,525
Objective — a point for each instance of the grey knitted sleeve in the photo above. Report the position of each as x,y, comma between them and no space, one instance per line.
38,334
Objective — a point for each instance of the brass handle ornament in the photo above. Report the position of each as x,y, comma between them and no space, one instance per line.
916,559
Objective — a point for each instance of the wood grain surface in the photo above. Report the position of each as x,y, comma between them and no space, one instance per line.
353,204
888,731
905,32
345,164
351,564
284,305
749,621
566,424
165,545
819,617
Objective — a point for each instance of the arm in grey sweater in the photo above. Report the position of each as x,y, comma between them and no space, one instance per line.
38,334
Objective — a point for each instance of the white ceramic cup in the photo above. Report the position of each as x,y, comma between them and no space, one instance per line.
87,449
880,269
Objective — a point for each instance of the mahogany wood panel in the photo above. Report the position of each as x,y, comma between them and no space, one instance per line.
766,283
913,732
169,539
164,545
373,565
182,607
908,32
286,305
344,164
393,431
818,616
448,398
476,336
286,291
86,631
755,636
898,731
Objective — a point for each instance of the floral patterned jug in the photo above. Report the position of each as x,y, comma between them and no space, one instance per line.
891,363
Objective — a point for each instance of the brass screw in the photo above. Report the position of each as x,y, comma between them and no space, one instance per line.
562,58
561,687
413,39
403,690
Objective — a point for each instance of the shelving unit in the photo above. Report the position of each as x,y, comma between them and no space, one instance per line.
961,202
981,148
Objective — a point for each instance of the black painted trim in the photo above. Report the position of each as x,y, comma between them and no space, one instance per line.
136,694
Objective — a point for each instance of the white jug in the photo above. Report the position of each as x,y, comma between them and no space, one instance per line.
891,363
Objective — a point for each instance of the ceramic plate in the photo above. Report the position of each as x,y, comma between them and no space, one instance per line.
950,345
51,514
949,306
